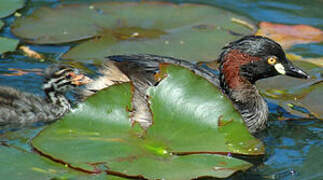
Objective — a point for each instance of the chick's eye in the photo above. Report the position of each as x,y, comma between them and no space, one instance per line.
272,60
68,76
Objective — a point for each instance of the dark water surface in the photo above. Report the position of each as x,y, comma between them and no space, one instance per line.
294,149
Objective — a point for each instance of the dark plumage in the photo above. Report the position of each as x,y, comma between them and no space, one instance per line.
245,61
20,108
242,63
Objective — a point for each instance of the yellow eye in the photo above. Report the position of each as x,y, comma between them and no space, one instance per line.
272,60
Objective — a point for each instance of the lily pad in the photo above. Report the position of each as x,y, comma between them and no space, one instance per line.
204,111
7,44
122,28
17,164
194,133
7,7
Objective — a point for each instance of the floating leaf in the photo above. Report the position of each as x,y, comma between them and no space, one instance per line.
289,35
7,44
204,111
17,164
123,28
8,7
191,118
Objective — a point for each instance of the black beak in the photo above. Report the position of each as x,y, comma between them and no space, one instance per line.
294,71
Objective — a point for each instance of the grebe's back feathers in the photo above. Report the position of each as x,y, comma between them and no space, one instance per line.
151,63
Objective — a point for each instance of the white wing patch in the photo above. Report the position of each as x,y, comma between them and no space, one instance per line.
280,68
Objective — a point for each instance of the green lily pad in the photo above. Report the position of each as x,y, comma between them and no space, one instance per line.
204,111
17,164
7,44
8,7
126,28
194,133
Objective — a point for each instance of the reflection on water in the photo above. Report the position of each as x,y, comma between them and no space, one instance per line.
294,148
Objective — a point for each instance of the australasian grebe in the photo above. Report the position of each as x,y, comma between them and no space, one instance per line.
242,63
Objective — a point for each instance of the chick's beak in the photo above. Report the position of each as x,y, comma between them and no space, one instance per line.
80,79
290,69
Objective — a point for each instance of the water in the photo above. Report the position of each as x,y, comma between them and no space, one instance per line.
293,148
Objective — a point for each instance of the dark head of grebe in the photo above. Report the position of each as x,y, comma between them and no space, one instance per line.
245,61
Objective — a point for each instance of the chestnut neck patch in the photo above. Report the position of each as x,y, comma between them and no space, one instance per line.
232,61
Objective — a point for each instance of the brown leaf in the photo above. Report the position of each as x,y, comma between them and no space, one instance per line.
30,53
21,72
288,35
